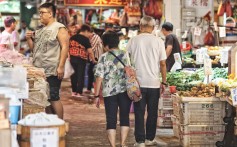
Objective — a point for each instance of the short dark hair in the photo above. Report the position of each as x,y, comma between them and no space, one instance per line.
85,27
49,6
167,26
111,39
9,20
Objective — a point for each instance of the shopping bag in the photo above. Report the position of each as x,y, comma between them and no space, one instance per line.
68,70
132,85
209,39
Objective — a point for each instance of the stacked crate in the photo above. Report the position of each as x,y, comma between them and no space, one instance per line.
198,121
165,110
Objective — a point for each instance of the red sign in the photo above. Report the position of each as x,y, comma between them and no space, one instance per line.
88,3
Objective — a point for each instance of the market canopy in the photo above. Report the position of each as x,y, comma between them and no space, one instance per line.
99,3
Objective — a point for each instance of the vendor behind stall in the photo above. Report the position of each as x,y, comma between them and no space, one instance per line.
171,44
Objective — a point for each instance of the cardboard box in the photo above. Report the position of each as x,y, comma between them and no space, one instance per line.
2,115
4,124
5,138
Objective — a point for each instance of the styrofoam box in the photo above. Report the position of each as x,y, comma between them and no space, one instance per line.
197,111
164,122
201,135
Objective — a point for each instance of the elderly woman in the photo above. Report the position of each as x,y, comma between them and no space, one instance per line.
110,75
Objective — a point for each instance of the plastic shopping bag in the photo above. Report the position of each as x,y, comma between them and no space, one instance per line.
68,71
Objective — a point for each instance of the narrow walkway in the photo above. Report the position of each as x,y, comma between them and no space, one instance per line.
87,124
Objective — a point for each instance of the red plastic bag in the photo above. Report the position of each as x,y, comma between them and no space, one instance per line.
221,9
209,39
228,9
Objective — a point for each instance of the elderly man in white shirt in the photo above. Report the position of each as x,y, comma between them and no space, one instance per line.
149,58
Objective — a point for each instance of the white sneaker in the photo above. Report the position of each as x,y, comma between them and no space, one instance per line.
150,142
139,144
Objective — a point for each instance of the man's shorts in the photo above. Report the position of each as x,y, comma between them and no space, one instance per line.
54,88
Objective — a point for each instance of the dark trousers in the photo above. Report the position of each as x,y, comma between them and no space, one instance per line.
112,103
150,98
90,75
77,79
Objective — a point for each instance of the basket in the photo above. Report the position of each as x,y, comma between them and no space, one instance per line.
25,133
230,22
31,109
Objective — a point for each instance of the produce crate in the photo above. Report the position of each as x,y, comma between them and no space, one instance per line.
165,101
164,122
201,135
199,111
165,112
31,109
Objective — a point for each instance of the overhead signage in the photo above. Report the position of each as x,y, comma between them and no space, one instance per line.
100,3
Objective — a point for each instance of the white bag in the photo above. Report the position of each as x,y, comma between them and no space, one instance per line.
68,71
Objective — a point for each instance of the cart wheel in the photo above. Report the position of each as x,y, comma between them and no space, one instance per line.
227,119
220,143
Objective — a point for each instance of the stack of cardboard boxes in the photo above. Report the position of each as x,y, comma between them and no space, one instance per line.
5,131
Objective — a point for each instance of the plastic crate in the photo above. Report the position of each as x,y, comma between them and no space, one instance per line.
199,111
165,112
165,101
164,122
201,135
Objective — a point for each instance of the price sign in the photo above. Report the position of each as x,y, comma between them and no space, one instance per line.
224,56
46,137
132,33
177,58
234,96
197,31
222,32
207,67
199,57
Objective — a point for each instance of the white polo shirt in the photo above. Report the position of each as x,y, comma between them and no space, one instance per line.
146,53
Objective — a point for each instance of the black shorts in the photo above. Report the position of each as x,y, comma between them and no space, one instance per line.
54,88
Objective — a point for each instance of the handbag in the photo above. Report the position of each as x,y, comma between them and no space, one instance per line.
132,85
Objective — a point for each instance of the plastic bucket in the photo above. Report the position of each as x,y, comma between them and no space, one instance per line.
172,89
14,113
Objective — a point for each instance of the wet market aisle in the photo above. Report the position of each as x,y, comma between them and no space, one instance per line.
87,123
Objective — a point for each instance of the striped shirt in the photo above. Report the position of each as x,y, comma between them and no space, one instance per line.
97,46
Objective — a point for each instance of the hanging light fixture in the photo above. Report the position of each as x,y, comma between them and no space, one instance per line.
29,5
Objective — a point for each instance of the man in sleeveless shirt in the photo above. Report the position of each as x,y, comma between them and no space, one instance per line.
50,48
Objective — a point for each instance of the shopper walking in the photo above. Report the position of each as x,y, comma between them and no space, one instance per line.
79,49
171,44
50,49
148,55
111,77
97,48
6,37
